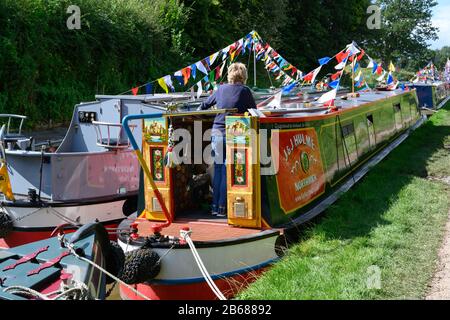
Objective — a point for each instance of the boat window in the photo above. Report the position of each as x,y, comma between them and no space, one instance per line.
348,129
397,107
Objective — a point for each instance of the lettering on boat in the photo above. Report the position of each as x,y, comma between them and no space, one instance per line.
300,176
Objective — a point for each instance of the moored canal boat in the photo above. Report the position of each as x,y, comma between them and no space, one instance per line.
285,165
53,270
432,92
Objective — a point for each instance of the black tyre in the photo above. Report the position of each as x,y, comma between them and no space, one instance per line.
115,261
140,265
6,224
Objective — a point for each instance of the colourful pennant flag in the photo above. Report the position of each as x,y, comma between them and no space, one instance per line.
199,89
135,91
328,97
391,67
361,55
179,76
186,74
390,79
201,67
358,77
341,56
163,85
336,75
168,81
193,71
324,61
149,88
334,84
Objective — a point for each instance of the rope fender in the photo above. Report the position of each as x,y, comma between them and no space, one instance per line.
6,224
140,265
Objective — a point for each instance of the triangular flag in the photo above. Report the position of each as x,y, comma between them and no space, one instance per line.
193,71
352,49
358,76
356,67
333,84
163,85
186,74
382,77
341,56
361,55
287,89
328,97
374,67
390,79
276,102
370,65
200,66
135,91
379,69
391,67
324,60
179,76
168,81
218,73
336,75
149,88
213,57
341,65
316,72
199,89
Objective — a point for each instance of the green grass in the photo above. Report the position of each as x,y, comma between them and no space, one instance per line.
393,219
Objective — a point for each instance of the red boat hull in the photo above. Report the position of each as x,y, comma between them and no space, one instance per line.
18,238
229,286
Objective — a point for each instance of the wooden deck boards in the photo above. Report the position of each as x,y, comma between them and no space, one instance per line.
202,230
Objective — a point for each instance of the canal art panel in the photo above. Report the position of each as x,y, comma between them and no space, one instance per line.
157,164
238,130
300,176
155,130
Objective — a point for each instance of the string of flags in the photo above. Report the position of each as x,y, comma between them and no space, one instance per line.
211,69
352,55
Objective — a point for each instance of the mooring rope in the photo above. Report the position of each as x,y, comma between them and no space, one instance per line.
186,236
72,250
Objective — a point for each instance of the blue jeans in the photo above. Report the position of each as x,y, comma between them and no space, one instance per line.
218,144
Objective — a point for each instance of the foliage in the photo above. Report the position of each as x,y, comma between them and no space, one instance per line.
45,68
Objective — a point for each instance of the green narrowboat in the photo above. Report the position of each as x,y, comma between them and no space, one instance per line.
284,166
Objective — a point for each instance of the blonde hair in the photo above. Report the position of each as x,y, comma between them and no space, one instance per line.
237,73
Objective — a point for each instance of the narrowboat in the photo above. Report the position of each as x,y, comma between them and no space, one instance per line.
64,267
432,92
91,174
286,166
287,160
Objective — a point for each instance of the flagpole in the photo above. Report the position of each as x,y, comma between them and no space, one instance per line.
353,76
254,66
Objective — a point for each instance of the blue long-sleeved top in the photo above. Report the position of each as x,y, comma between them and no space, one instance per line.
229,96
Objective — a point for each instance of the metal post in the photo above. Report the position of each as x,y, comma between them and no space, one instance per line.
254,66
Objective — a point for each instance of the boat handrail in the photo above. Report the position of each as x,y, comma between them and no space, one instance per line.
111,142
13,116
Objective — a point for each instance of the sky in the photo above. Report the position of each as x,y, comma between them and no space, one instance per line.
441,19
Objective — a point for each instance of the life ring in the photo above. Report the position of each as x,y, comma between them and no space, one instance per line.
6,224
140,265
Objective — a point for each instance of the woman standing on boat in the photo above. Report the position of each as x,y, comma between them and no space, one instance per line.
233,95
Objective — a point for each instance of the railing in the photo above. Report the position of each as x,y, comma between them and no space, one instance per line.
13,116
109,142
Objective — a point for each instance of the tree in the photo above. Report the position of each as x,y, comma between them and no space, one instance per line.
406,27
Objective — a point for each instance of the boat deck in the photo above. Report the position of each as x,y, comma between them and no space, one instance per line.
202,229
297,109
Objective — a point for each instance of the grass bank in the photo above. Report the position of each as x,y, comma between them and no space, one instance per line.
388,227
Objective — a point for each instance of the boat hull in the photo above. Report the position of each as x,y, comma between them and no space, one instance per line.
232,264
33,223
